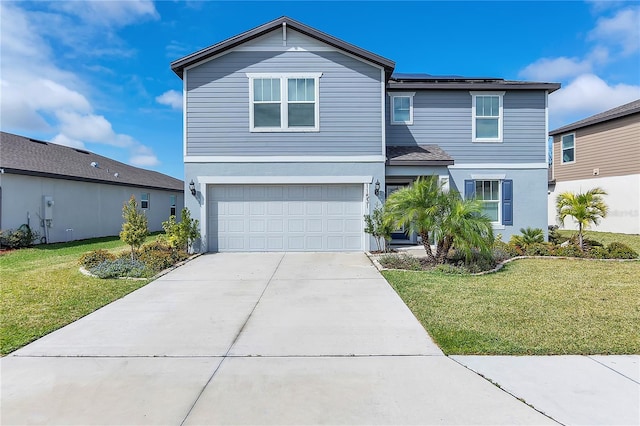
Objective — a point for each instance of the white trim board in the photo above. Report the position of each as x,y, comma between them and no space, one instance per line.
509,166
284,159
271,180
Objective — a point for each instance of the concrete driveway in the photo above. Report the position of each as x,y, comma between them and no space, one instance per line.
273,338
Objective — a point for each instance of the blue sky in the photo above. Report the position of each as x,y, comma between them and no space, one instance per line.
96,74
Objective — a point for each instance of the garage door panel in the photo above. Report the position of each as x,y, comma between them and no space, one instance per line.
285,217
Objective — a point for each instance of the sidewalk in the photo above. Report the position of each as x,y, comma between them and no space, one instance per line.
573,390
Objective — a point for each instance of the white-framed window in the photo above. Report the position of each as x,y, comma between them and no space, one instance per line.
401,108
488,191
487,122
284,102
144,200
568,148
172,205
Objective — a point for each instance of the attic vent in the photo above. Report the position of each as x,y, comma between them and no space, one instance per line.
37,141
94,164
81,151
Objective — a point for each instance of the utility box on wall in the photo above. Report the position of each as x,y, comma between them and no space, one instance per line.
47,207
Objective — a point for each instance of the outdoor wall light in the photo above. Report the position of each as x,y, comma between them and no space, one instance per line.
192,188
377,188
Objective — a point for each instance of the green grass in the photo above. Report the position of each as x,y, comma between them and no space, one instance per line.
632,240
531,307
43,290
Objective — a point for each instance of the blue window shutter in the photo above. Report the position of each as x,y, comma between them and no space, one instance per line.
507,202
469,189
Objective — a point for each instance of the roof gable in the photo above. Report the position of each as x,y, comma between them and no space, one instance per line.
284,23
21,155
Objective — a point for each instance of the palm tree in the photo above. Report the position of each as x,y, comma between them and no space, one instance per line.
424,208
462,225
414,208
585,208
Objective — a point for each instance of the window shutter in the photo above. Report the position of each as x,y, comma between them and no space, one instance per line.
507,202
469,189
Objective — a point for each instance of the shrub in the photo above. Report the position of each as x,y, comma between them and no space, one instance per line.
621,251
158,256
18,238
502,249
401,261
569,251
94,258
477,262
500,255
181,235
379,228
554,235
539,249
598,253
121,267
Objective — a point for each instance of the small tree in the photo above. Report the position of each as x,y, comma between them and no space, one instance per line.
378,228
183,234
135,226
585,208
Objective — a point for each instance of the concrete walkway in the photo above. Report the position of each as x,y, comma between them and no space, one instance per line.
268,338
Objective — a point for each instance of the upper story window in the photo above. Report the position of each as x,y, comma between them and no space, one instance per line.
487,116
401,108
569,148
144,200
284,102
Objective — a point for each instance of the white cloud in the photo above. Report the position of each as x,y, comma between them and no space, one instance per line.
39,96
554,69
110,13
66,141
623,30
588,94
172,98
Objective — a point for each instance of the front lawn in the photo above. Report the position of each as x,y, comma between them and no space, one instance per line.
42,289
531,307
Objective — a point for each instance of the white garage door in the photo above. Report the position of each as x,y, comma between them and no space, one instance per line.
285,217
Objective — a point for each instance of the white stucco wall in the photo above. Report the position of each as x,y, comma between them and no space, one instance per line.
623,199
81,209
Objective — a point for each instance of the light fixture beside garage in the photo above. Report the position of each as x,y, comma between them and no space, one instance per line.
192,188
377,188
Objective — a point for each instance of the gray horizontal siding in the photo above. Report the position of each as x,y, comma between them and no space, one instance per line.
218,106
444,118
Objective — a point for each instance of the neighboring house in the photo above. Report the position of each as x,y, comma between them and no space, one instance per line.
601,151
292,135
67,194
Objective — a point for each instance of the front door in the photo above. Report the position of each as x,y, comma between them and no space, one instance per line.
399,234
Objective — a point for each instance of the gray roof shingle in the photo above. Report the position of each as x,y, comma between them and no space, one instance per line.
617,112
21,155
418,155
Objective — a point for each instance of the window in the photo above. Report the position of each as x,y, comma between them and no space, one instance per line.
402,108
144,200
172,203
281,103
568,148
487,116
488,191
496,196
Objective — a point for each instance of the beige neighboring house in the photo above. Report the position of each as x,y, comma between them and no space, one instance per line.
67,194
601,151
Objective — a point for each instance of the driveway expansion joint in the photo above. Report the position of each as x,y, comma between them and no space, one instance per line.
612,369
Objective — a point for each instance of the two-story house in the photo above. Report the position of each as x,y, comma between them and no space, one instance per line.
601,151
291,136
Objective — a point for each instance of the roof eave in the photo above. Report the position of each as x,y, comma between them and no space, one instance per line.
179,65
434,85
394,162
572,127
